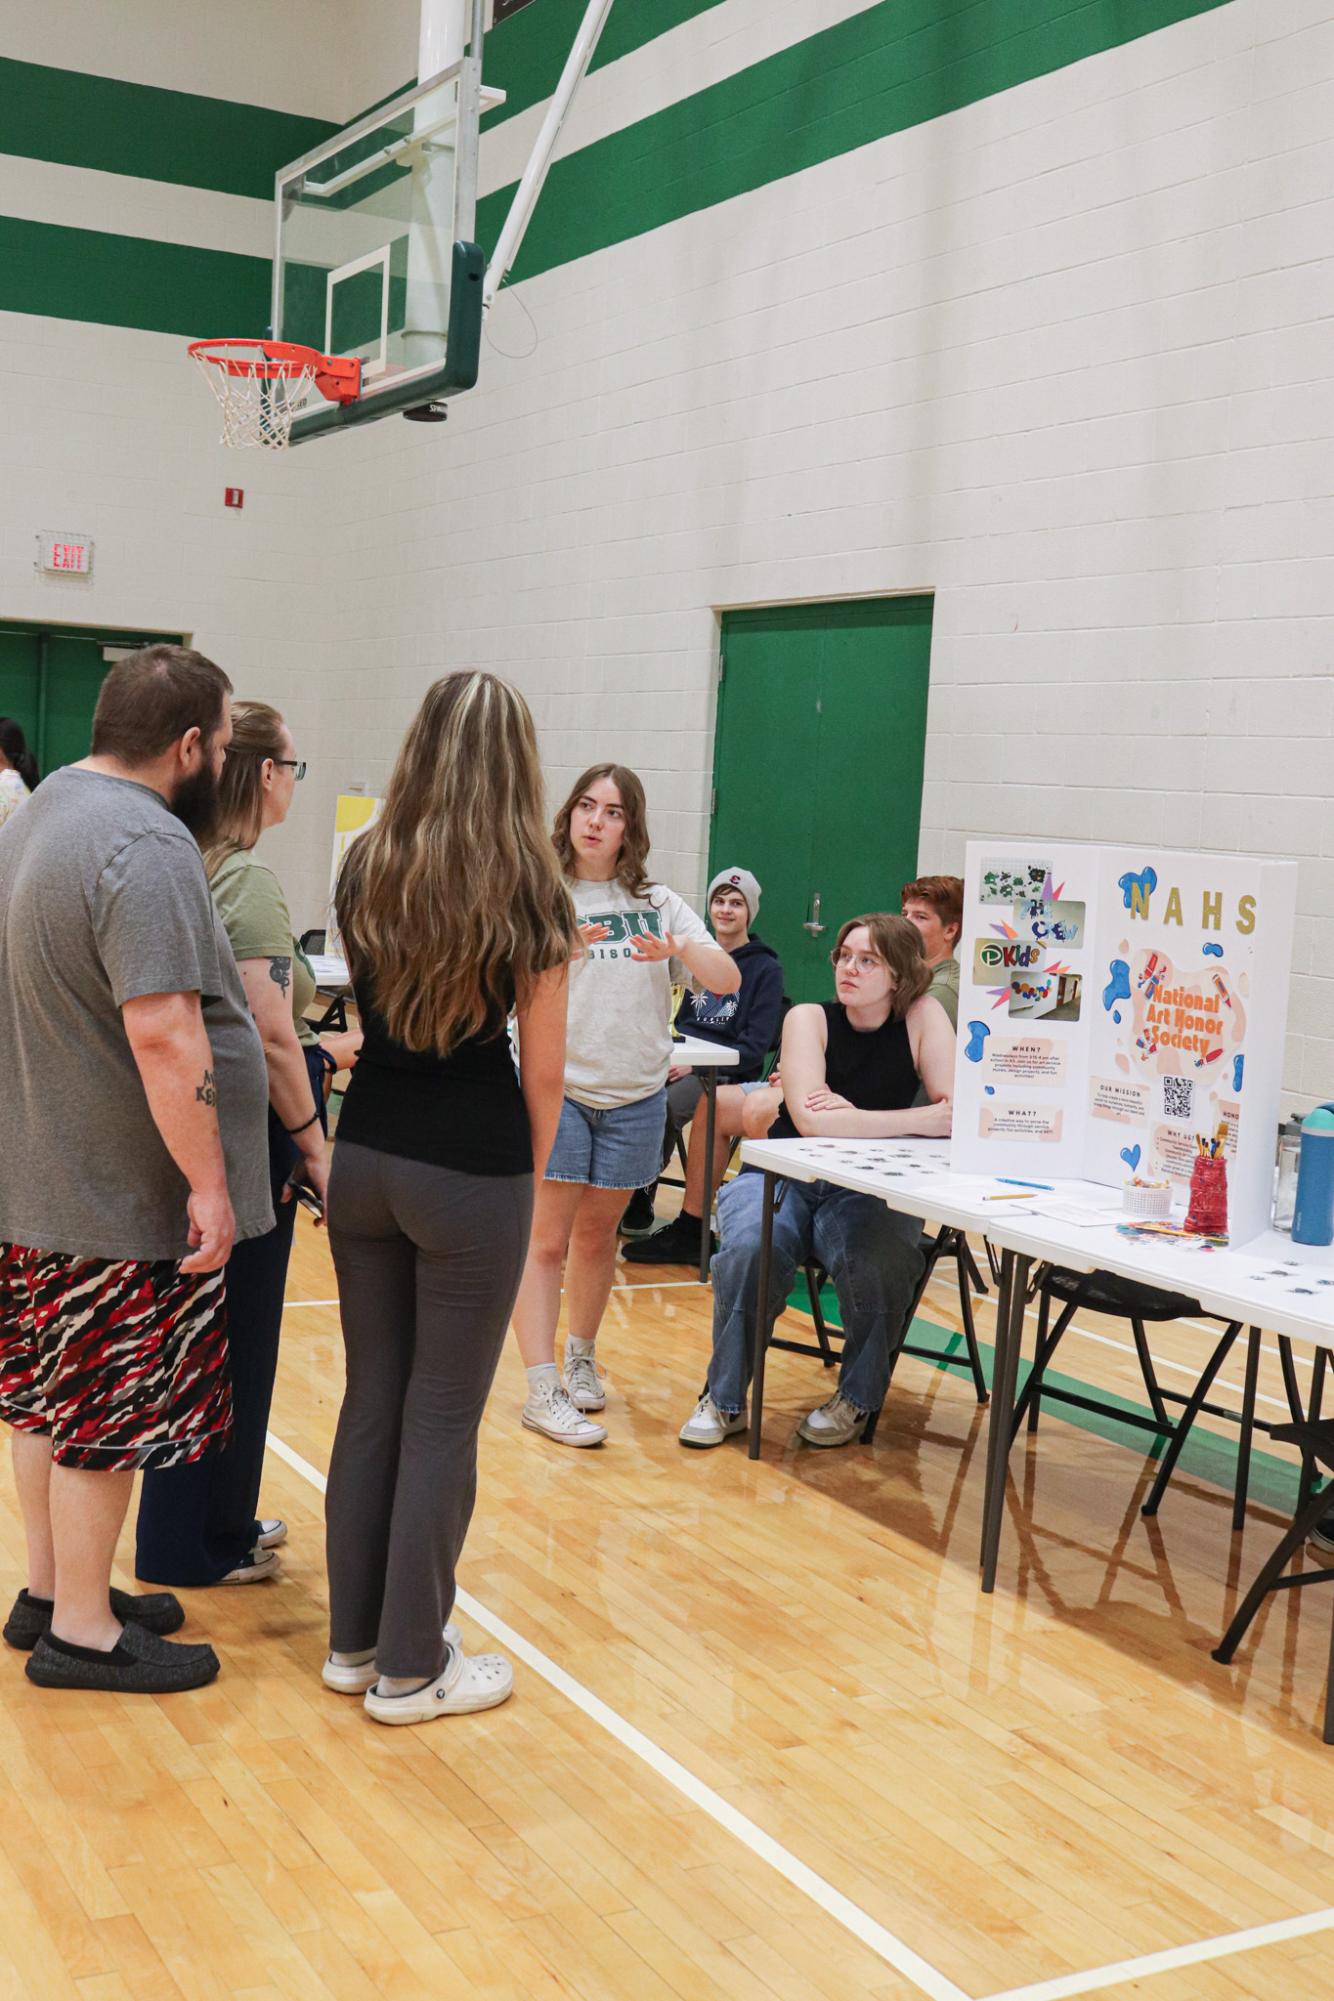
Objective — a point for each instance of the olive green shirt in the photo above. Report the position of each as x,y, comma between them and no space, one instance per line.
944,987
253,909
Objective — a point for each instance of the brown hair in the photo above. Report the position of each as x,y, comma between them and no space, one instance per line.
452,902
899,944
943,892
630,871
257,734
152,697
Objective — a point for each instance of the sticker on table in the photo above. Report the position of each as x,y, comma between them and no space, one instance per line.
1026,1059
1007,877
1020,1121
1124,1103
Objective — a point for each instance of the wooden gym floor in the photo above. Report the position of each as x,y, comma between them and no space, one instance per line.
768,1741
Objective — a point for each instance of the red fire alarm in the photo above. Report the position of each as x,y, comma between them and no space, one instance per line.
234,496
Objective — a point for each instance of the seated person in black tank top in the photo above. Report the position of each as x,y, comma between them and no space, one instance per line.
852,1069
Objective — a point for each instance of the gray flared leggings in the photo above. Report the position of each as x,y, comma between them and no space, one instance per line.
428,1263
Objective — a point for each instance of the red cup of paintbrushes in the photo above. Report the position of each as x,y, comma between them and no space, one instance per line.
1207,1214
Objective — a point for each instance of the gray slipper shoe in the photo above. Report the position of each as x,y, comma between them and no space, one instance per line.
139,1664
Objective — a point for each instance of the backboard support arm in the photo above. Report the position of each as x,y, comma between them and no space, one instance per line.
530,187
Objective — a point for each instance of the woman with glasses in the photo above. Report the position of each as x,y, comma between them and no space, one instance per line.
198,1525
852,1068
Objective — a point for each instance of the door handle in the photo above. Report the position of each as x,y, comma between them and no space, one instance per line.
813,924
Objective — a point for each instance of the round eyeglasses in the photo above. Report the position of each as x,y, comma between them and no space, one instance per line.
856,962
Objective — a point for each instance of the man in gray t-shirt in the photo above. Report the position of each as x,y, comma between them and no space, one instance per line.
133,1152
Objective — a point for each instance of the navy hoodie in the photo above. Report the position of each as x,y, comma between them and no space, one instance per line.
746,1021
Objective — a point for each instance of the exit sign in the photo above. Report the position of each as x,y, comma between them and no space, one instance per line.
63,554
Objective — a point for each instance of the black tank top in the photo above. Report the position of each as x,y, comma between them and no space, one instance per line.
872,1068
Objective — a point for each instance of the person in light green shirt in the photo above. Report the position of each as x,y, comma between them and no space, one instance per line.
200,1524
934,903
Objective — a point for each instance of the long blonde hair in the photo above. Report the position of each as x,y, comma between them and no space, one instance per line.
633,854
257,733
452,903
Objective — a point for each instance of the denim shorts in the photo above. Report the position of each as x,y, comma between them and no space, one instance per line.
616,1147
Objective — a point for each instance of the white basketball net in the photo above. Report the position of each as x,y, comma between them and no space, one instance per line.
259,399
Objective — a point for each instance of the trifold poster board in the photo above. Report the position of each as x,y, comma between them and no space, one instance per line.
1115,1002
353,813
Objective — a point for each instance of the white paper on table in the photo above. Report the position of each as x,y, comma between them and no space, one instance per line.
1084,1216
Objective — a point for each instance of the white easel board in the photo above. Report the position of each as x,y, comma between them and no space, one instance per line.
1116,1002
353,813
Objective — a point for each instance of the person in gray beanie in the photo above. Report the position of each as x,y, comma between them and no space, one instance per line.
747,1021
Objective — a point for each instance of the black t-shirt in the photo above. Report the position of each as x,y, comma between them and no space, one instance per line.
872,1067
464,1110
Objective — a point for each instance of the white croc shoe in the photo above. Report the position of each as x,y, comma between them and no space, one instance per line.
707,1425
355,1677
465,1684
548,1409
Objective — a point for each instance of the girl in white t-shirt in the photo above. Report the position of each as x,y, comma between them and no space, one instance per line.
18,768
638,937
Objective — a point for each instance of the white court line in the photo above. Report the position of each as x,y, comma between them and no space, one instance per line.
882,1942
1068,1984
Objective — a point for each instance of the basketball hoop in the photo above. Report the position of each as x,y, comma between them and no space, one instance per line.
263,385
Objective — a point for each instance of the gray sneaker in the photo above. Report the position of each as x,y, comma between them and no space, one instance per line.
142,1664
837,1422
583,1382
707,1425
1321,1539
548,1409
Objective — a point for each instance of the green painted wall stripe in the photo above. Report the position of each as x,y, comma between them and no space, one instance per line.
525,55
127,281
897,65
162,135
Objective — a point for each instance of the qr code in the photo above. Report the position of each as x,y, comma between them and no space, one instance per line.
1179,1098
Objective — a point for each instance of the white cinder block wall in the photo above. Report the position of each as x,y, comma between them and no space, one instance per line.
1063,357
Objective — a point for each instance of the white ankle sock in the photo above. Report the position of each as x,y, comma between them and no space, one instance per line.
352,1660
574,1347
545,1372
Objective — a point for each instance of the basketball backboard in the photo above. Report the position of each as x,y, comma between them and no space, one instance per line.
370,230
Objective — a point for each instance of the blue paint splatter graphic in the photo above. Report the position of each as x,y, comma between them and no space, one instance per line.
990,1090
1213,951
1146,882
1238,1065
978,1031
1118,987
1130,1155
1116,1016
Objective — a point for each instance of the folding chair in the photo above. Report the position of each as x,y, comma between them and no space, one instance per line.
947,1243
1140,1305
1315,1438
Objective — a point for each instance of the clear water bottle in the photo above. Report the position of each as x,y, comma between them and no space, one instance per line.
1285,1176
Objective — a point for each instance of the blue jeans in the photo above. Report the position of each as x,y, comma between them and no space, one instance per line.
872,1254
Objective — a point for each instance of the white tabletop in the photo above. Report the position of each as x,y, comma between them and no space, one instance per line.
1270,1282
330,971
693,1053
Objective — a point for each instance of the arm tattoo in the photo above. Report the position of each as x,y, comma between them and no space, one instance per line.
280,972
207,1092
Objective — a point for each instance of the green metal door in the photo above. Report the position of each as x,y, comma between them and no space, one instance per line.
818,767
50,677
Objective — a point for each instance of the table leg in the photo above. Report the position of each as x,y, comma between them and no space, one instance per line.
761,1315
710,1079
1247,1438
1005,1375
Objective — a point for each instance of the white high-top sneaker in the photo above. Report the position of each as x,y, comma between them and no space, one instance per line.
548,1409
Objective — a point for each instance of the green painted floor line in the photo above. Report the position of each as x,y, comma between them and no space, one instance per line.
1207,1455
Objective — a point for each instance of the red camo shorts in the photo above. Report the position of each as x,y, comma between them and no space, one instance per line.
123,1363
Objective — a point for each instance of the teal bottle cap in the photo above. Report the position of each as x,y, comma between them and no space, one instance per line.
1319,1121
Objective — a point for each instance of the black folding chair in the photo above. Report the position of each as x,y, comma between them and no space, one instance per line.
1143,1305
334,1017
1314,1436
946,1243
